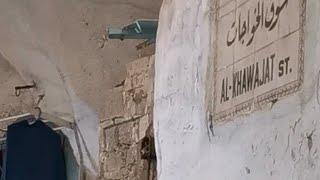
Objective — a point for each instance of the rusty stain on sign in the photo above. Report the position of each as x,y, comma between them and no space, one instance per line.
259,54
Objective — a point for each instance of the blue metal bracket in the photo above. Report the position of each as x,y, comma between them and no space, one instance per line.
140,29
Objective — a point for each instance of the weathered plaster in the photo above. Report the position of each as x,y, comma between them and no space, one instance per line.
278,142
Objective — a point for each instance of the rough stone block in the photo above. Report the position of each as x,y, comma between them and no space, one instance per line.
138,73
112,138
125,133
115,106
143,127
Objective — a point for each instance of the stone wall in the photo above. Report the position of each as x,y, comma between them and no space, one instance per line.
126,135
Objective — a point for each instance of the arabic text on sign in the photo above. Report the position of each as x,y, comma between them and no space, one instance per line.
265,17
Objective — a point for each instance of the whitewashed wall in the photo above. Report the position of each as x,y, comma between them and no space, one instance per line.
278,143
